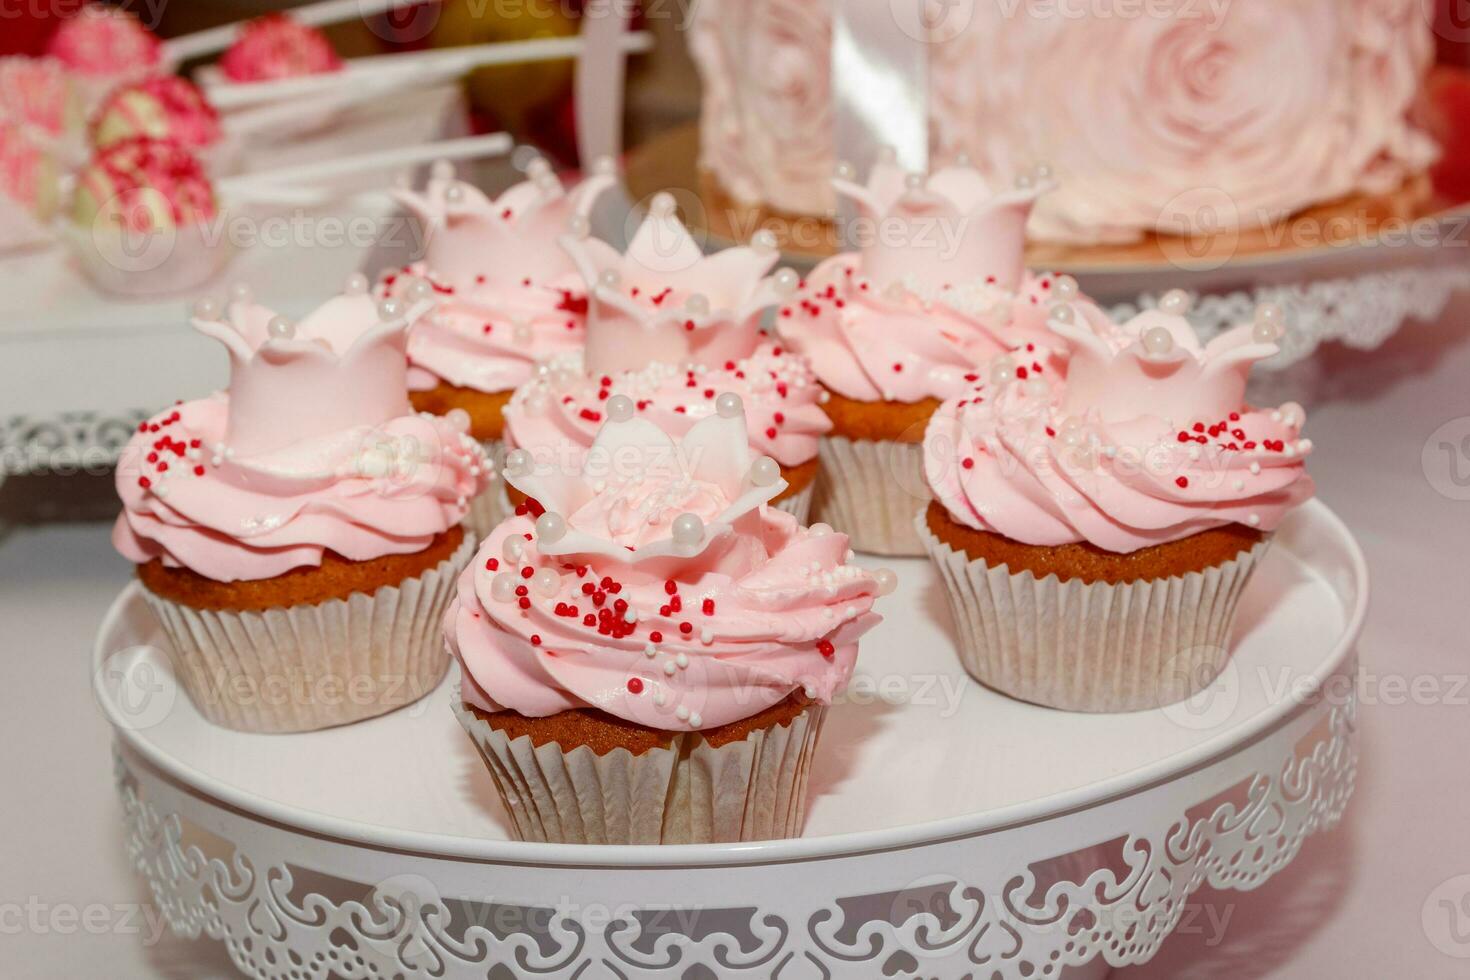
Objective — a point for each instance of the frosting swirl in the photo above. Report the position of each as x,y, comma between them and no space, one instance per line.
660,589
565,405
313,448
1148,441
900,345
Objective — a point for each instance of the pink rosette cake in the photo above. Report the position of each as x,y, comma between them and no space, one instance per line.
1168,117
937,288
654,625
278,46
165,107
1096,534
506,294
299,534
29,192
105,47
671,328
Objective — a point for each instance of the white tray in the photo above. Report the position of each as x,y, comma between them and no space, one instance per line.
998,837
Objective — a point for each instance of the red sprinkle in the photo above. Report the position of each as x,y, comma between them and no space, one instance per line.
523,602
535,639
825,648
686,628
709,607
527,572
492,563
635,685
670,587
967,463
1183,482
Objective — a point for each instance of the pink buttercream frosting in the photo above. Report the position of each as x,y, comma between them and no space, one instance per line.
278,46
1153,119
104,42
507,294
1148,440
312,448
161,107
612,600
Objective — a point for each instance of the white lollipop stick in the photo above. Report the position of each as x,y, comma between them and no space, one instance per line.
418,67
268,186
217,39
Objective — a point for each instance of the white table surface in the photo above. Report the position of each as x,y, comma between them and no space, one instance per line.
1353,905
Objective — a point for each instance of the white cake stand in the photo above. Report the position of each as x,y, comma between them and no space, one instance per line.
952,831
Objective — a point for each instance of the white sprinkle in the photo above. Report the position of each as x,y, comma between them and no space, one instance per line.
695,720
650,651
1255,469
669,667
1254,520
682,713
659,699
706,636
631,616
1239,485
681,660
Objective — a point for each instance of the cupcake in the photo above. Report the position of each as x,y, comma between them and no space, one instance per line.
164,107
299,535
651,658
141,219
1094,536
105,47
278,46
937,289
506,296
29,192
671,328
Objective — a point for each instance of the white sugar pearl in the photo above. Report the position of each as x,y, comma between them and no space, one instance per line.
1062,312
512,549
579,226
454,193
695,720
517,462
609,278
620,408
729,405
763,241
765,471
419,290
204,308
1264,332
1270,313
390,309
1002,370
682,713
820,530
844,171
550,527
356,285
1065,288
887,580
458,418
281,328
1158,340
687,530
240,293
785,281
1175,302
662,205
546,582
503,587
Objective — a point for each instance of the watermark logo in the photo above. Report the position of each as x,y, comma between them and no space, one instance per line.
1445,459
142,693
1446,917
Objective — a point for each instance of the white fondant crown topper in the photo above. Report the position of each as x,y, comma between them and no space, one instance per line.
665,301
1155,365
947,229
508,239
638,496
342,366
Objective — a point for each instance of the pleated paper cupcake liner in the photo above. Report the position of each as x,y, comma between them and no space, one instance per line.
689,792
799,504
308,667
1097,647
870,491
490,506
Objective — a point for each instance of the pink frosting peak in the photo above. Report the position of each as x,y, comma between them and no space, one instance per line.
312,448
947,228
1148,440
665,301
508,295
103,41
658,586
278,46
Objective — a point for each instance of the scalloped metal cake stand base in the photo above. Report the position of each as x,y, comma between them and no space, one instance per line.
1065,896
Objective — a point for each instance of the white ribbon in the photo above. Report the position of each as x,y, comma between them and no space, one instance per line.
880,82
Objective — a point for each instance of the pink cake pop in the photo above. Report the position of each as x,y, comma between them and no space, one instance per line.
106,44
164,107
276,46
38,93
146,185
28,188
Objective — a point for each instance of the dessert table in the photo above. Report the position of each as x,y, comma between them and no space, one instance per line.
1392,428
